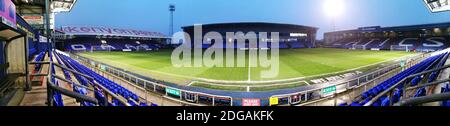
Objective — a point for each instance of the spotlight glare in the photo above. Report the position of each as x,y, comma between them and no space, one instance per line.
333,8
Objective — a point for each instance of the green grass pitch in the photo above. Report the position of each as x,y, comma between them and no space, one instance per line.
294,63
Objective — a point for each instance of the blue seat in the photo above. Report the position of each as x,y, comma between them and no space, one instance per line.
355,104
385,102
427,64
343,104
143,104
421,92
416,80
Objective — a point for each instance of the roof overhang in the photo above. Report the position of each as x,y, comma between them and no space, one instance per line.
62,5
56,5
438,5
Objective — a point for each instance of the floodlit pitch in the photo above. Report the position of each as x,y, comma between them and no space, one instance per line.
294,63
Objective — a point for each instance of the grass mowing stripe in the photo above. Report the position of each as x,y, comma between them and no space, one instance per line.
294,63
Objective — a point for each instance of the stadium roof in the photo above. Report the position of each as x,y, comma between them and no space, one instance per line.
56,5
438,5
397,28
254,24
106,31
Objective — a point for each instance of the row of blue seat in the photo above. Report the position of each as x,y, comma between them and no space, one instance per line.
57,97
39,57
384,101
433,76
85,81
132,98
75,88
446,89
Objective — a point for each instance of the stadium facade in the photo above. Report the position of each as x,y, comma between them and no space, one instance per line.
425,37
89,38
290,35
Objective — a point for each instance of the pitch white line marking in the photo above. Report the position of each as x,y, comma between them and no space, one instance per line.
192,82
306,82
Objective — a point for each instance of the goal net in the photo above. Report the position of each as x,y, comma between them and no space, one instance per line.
400,48
102,48
359,47
143,47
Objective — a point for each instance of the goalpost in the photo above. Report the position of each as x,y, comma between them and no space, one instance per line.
359,47
400,48
143,47
101,48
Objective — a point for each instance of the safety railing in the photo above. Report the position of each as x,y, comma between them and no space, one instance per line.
351,88
143,85
53,88
407,88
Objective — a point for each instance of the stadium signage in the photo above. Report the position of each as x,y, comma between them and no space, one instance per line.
299,35
34,19
251,102
329,90
8,13
173,92
104,31
273,101
373,28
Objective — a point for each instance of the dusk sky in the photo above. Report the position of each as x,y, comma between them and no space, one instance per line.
153,15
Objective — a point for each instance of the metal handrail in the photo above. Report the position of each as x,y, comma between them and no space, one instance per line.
162,85
39,62
401,82
337,84
51,87
69,93
424,99
73,83
95,83
73,71
429,84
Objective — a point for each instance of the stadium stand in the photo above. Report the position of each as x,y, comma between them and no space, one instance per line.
446,89
131,98
424,38
428,64
290,36
111,45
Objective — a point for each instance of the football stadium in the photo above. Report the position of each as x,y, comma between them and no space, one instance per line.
231,63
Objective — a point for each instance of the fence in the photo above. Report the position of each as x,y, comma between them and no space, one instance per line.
329,95
143,87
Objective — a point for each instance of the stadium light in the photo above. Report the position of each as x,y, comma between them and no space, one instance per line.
333,8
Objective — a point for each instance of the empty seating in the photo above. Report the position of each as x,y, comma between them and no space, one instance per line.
428,44
132,98
39,57
111,45
446,89
427,64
